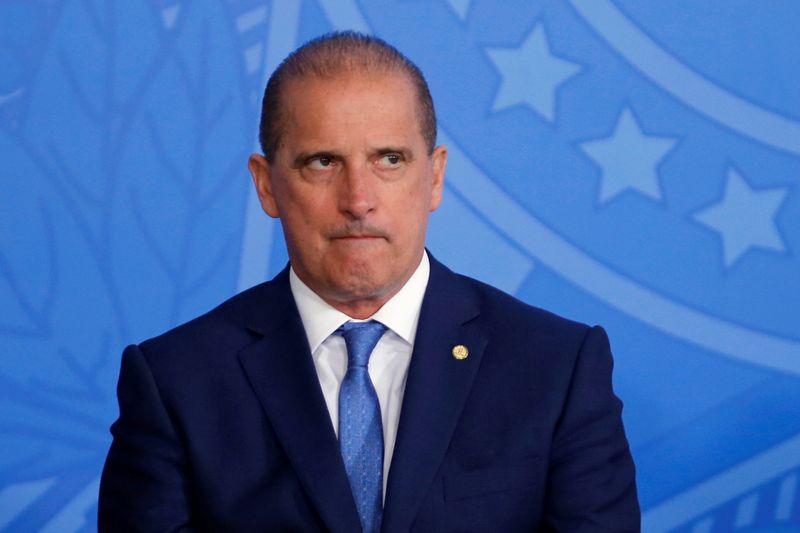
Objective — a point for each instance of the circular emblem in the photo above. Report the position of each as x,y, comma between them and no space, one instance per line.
460,352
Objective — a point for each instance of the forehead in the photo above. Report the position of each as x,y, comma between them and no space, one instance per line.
345,106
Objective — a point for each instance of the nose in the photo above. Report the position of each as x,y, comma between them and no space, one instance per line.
357,192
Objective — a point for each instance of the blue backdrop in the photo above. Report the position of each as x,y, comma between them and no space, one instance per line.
633,164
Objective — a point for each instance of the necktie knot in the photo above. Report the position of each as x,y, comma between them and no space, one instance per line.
360,338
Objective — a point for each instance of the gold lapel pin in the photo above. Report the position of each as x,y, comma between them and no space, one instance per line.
460,351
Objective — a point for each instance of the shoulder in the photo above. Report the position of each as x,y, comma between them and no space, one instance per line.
222,331
515,324
498,305
505,317
518,335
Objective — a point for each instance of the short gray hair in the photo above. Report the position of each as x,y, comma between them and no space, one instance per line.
330,55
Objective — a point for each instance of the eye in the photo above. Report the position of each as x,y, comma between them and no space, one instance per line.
391,160
320,163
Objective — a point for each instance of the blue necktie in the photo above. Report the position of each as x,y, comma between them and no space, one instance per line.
360,428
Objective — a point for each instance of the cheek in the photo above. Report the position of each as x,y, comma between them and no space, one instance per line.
410,229
299,230
305,213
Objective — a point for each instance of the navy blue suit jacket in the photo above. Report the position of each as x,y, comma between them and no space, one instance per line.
223,426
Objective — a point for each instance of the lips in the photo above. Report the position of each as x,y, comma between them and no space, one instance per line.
357,234
357,239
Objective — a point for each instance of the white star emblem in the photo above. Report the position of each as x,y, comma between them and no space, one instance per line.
745,218
531,74
629,159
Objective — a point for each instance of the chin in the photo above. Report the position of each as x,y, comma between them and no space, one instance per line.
362,283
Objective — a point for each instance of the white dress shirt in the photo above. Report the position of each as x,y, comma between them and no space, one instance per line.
388,364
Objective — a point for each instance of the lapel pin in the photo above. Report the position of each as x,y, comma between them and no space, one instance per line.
460,351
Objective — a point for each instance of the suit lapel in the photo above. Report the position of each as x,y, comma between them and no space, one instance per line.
282,374
436,389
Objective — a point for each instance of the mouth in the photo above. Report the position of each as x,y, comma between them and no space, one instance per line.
357,234
358,243
354,239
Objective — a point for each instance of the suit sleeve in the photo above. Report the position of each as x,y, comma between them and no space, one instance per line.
143,486
591,481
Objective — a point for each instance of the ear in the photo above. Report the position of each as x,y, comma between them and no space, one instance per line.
439,161
262,179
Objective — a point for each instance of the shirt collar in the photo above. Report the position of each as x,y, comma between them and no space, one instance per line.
400,314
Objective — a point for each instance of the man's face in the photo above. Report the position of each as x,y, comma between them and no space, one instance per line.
353,184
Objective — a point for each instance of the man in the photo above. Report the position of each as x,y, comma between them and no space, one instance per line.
366,386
